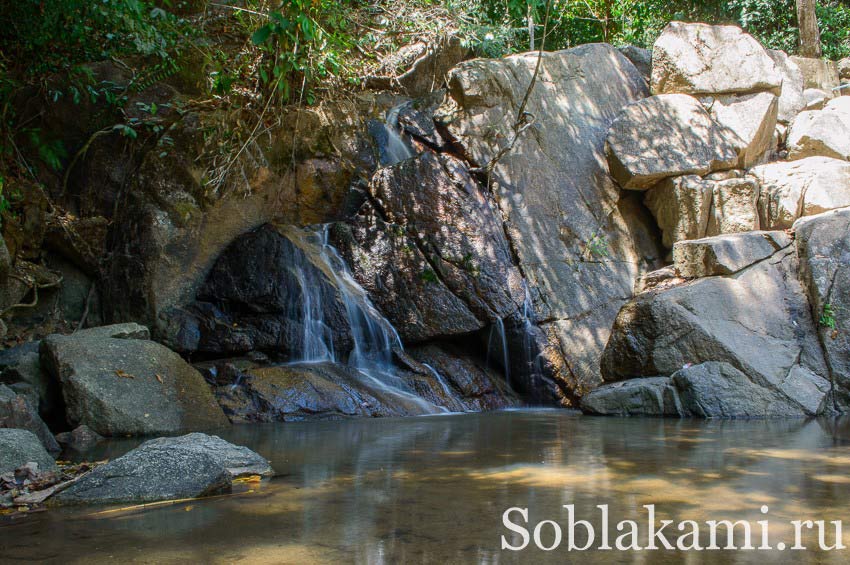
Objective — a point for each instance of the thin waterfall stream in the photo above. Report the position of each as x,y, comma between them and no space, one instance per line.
374,337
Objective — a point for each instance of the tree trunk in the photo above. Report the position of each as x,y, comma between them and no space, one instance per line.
809,33
530,18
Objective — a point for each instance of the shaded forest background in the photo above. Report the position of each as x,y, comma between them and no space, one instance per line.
253,54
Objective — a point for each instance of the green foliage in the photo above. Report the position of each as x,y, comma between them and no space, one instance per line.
428,275
498,27
304,40
827,317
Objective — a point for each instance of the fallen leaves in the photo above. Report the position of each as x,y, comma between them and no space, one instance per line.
124,374
159,378
247,479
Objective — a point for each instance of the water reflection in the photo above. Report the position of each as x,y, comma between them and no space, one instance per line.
432,490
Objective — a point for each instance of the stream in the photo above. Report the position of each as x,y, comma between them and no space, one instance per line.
432,489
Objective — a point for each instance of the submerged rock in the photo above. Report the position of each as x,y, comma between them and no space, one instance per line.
167,468
128,386
80,438
19,447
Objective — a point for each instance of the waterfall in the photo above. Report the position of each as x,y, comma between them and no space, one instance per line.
498,339
531,358
523,332
392,146
373,335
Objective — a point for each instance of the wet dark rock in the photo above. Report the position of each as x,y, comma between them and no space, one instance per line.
314,391
19,447
252,300
434,199
127,386
478,387
401,282
17,412
167,468
80,438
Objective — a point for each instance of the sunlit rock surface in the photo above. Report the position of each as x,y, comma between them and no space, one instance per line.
573,235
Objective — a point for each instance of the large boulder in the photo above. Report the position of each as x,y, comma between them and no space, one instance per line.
818,73
757,321
167,468
791,190
571,232
822,133
455,226
17,412
707,390
19,447
651,396
823,243
403,284
641,58
694,58
667,136
752,117
725,254
791,100
128,386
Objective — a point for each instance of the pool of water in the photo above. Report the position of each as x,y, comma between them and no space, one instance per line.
433,490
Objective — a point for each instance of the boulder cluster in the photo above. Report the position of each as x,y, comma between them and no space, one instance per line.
742,155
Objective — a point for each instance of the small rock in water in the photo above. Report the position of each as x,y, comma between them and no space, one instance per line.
79,439
165,469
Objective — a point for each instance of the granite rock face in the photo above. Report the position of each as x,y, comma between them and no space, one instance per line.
725,254
791,190
667,136
823,244
757,321
704,59
565,220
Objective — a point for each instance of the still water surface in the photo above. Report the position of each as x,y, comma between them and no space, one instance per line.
433,489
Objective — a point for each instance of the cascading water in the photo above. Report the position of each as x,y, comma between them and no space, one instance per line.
393,148
497,343
373,336
528,364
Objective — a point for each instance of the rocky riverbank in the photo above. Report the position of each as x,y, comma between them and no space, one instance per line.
656,233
